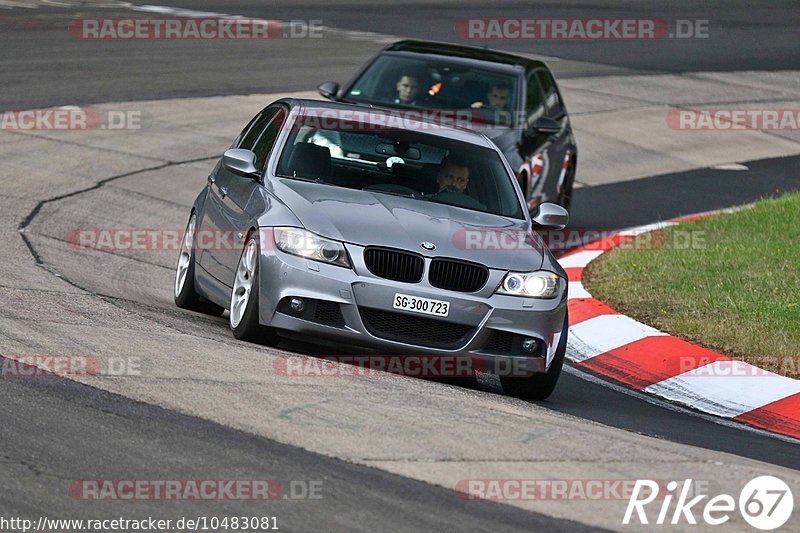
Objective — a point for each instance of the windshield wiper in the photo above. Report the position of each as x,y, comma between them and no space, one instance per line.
300,178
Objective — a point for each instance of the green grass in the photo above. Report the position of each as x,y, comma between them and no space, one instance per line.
735,288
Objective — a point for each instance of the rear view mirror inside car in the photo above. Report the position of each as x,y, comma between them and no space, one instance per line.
398,149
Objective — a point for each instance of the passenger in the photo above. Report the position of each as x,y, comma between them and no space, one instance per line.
407,90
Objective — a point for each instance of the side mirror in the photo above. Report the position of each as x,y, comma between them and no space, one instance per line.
329,90
544,125
241,162
550,216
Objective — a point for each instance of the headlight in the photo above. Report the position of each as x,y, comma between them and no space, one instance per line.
300,242
532,285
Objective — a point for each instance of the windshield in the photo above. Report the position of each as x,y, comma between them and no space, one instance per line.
379,159
402,81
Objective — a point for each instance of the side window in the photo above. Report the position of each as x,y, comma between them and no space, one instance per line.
266,140
534,99
247,139
551,100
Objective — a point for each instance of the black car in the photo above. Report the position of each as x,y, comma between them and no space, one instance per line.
512,99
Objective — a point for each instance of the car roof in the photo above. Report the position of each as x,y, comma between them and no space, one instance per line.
376,112
470,53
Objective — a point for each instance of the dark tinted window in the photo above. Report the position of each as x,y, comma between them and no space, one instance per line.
551,101
266,140
250,134
534,99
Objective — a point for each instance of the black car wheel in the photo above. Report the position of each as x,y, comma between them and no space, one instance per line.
565,194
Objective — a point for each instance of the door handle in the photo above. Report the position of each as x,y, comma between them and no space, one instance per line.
223,191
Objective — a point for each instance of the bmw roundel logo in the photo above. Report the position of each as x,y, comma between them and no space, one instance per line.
428,245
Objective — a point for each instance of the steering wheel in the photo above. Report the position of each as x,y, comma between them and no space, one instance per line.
458,199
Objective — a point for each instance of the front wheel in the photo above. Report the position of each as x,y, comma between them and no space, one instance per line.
244,299
186,296
539,386
565,194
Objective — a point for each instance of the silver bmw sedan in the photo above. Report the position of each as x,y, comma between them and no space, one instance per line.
381,229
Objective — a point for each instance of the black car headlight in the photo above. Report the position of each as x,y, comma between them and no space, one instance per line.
541,284
303,243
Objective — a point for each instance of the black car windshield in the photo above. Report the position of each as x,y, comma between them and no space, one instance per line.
403,81
369,156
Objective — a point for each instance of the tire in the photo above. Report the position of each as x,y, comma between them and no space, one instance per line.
184,292
539,386
565,194
243,318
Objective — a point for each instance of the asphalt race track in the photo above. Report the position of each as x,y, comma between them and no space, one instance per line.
387,451
743,37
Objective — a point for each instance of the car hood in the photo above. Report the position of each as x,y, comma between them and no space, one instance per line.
504,137
371,218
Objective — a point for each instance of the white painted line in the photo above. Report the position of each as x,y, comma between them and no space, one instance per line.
606,332
576,290
658,402
551,352
576,348
180,12
715,389
579,259
644,229
730,166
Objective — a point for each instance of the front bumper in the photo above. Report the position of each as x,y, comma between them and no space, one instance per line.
354,307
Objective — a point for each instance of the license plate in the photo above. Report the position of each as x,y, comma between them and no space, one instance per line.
425,306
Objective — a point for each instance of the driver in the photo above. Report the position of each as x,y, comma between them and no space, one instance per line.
496,104
496,99
453,175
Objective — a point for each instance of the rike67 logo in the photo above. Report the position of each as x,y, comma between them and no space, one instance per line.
765,503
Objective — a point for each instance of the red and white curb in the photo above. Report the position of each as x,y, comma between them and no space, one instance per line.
640,357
